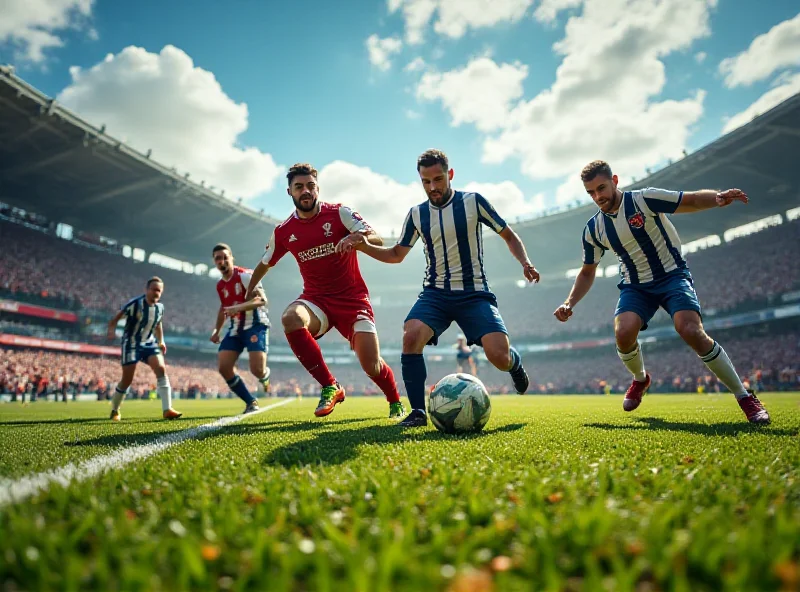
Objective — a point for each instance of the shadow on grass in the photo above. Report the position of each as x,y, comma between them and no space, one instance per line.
704,429
338,446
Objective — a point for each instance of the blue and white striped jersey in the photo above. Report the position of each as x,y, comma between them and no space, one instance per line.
140,320
640,234
453,240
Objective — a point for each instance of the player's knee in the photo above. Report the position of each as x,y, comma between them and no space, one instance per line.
499,357
690,330
413,340
292,320
626,337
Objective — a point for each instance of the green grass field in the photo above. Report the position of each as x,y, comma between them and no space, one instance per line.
558,493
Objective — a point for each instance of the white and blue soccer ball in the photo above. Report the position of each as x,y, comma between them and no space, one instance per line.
459,404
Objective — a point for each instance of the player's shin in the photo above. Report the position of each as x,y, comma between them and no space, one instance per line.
308,353
119,396
720,364
634,362
239,388
386,382
414,375
164,390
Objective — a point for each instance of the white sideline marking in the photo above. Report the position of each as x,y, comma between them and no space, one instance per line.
12,491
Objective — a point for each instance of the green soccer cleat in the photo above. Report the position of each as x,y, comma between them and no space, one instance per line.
396,410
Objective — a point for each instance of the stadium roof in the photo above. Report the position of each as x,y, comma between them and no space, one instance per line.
56,164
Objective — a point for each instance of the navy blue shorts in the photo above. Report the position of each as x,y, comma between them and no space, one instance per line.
131,353
255,339
475,312
674,292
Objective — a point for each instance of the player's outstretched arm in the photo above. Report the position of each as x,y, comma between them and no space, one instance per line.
697,201
360,241
257,301
583,283
517,248
258,274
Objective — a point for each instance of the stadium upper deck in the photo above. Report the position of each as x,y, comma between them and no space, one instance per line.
68,170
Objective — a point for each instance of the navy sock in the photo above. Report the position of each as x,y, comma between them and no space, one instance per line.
414,375
239,388
516,359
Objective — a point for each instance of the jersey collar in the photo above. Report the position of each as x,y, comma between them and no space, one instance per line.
445,204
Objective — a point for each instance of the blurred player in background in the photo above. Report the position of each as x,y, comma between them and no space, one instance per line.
334,293
465,356
143,341
455,286
634,226
247,326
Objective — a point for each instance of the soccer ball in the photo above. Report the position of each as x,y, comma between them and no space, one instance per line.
459,403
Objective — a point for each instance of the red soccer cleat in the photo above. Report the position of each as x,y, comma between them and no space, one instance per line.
637,390
754,409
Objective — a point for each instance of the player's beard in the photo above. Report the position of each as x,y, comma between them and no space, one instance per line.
439,200
298,203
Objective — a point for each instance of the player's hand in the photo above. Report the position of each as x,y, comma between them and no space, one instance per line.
530,272
230,311
727,197
350,242
563,312
214,337
163,347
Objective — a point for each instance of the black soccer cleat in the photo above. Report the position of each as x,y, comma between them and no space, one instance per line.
415,419
251,407
520,378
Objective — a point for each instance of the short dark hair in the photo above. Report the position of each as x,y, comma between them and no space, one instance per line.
432,157
298,169
594,169
154,279
221,247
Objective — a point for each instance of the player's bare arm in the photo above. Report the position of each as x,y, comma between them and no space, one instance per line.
258,274
257,301
394,254
112,325
218,326
159,333
517,248
583,283
697,201
356,240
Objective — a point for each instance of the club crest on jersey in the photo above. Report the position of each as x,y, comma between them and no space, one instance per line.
637,220
253,338
225,292
327,228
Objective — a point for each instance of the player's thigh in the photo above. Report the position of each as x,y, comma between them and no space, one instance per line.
157,364
496,347
258,363
641,303
626,330
306,314
368,351
430,316
478,317
226,361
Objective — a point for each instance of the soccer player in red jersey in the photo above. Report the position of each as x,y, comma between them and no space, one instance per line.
247,326
334,293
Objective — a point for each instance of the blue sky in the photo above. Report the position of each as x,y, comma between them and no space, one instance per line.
638,82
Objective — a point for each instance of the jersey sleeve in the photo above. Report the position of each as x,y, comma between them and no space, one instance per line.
488,215
275,250
660,201
409,234
246,276
592,250
129,308
353,221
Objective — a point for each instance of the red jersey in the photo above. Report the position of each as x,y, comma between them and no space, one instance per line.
232,292
312,242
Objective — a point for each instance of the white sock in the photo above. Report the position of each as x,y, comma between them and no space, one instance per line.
720,364
634,362
119,395
164,391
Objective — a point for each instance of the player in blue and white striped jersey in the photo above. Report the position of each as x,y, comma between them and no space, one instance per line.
455,288
634,226
143,341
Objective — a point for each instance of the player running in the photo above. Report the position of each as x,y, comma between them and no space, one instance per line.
247,326
465,356
455,286
143,341
634,225
334,293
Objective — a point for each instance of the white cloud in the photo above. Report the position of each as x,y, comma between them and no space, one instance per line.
32,26
508,199
776,49
415,65
785,88
381,50
164,102
411,114
548,10
700,57
603,102
481,92
455,17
